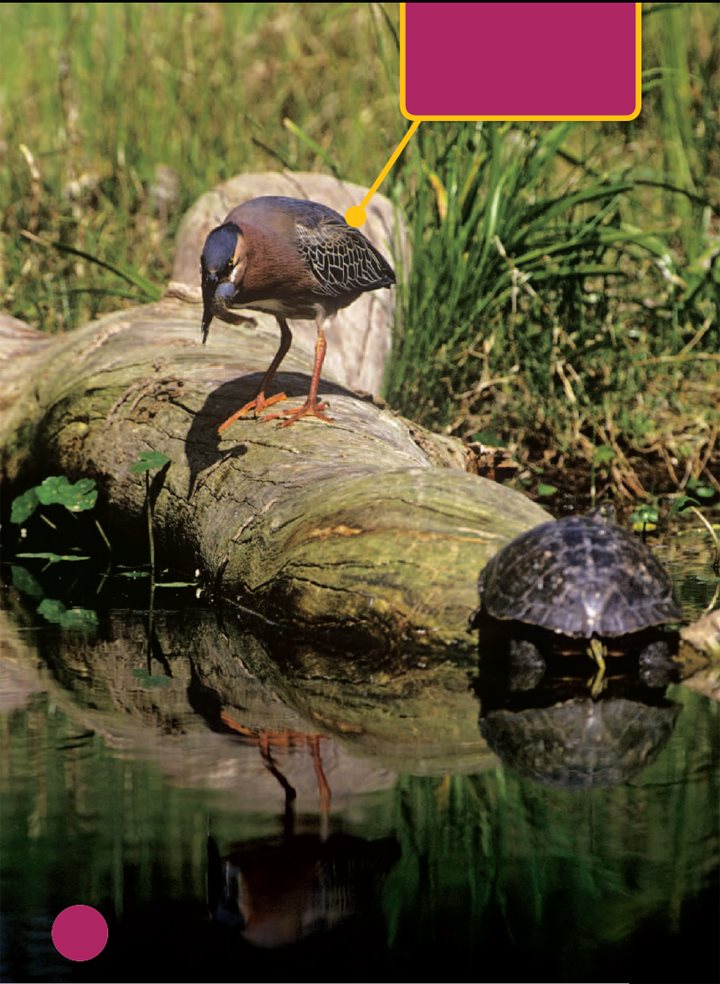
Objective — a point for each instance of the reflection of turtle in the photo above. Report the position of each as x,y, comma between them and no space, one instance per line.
582,576
581,742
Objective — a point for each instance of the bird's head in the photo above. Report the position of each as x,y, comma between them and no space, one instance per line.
222,267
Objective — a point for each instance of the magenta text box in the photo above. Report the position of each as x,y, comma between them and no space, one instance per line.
520,60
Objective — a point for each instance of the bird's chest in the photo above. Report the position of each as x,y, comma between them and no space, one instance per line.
278,282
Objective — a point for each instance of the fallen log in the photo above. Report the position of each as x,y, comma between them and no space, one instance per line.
365,533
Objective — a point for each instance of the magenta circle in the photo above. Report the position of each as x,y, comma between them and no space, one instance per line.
79,932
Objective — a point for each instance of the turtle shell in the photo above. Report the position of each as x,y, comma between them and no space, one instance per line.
580,576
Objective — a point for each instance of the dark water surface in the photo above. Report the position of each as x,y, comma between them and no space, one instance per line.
339,829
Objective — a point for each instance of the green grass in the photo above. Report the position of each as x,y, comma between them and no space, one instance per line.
128,112
565,286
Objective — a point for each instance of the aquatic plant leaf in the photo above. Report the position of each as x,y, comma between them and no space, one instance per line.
148,461
53,558
78,619
23,580
57,490
23,506
50,491
51,610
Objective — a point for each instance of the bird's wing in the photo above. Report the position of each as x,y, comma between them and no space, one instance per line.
342,260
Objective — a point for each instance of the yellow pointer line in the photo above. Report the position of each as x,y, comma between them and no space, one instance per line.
355,215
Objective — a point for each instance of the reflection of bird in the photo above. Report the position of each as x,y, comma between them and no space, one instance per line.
278,892
294,259
286,739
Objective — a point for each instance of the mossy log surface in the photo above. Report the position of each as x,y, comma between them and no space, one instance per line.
366,532
352,531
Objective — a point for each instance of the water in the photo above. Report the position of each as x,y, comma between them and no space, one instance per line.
363,829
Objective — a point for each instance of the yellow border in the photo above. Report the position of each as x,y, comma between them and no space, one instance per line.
631,116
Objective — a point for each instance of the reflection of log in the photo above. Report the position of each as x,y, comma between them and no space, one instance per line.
166,693
349,531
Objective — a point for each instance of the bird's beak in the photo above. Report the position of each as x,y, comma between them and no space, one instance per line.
210,282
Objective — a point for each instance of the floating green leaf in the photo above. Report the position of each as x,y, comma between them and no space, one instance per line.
149,461
53,558
51,610
57,490
23,580
23,506
78,619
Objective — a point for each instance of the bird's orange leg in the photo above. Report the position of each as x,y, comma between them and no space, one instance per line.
311,407
261,402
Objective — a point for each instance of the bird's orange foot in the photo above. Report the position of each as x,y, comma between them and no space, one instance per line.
306,410
259,404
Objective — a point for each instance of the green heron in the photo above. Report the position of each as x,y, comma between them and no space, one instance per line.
294,259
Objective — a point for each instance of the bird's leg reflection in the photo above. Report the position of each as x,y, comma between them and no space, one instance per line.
265,739
290,793
323,787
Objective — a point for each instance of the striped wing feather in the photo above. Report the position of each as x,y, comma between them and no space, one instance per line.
342,260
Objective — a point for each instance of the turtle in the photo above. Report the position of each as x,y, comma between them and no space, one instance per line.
582,577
